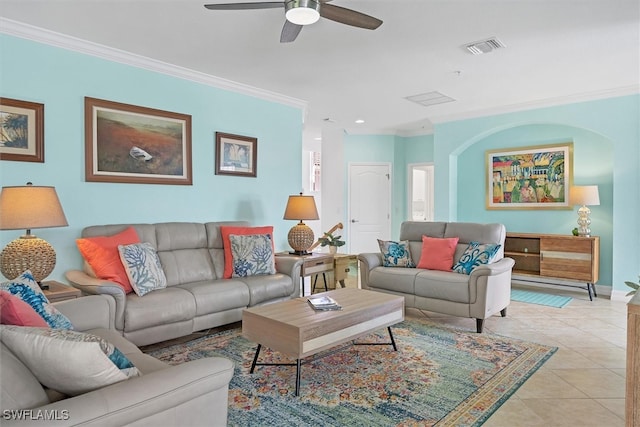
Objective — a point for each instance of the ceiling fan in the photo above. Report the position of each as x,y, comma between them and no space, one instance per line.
304,12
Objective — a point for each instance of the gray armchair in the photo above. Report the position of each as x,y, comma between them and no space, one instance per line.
191,394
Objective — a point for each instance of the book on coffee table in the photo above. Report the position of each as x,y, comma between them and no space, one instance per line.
324,303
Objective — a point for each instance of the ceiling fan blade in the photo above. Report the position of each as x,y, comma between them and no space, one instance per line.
289,32
246,6
349,17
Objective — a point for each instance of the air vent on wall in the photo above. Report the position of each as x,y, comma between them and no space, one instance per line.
484,46
430,98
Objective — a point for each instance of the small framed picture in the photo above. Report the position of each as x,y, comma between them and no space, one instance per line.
21,131
236,155
132,144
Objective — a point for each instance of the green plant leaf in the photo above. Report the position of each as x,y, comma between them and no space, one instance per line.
632,285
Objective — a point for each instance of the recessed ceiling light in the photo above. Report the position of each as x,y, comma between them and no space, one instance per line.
359,121
317,138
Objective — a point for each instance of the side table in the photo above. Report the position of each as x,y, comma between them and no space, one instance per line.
342,265
312,265
60,292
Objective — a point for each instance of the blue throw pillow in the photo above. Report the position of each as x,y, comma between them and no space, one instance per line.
395,254
476,254
26,288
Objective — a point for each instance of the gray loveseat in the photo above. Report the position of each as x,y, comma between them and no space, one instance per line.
191,394
196,296
486,291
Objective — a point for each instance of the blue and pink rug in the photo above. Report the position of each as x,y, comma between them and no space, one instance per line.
438,376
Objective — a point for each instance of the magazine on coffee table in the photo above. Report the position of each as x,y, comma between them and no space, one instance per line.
324,303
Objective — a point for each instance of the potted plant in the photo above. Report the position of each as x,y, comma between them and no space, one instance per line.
634,287
334,242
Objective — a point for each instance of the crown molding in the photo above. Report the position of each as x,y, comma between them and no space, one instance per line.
541,103
52,38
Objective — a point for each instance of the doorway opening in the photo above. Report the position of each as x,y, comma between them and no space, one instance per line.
420,194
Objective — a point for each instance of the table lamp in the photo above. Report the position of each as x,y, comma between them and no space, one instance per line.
585,195
301,236
28,207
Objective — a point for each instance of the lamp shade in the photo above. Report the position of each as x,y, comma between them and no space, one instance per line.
28,207
584,195
301,208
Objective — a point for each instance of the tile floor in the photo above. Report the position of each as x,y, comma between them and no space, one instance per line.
583,383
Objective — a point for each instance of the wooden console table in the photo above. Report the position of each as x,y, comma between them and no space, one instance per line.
555,256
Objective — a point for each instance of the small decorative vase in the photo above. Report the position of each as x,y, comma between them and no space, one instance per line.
333,249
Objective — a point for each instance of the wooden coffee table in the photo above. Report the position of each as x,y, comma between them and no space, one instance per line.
294,328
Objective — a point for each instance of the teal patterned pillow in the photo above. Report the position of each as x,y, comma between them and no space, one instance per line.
396,254
476,254
141,262
68,361
26,288
252,254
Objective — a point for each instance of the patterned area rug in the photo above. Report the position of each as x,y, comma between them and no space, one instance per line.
539,298
438,376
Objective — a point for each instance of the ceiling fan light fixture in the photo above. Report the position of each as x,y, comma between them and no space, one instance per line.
302,12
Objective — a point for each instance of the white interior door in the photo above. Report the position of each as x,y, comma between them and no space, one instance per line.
420,192
369,206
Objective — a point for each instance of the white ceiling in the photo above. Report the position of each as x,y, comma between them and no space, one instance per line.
556,51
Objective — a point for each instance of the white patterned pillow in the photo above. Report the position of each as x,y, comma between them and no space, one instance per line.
252,254
142,265
27,289
68,361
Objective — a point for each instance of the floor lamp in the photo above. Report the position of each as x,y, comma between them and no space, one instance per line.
28,207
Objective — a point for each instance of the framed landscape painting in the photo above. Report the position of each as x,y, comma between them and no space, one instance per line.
535,177
127,143
236,155
21,130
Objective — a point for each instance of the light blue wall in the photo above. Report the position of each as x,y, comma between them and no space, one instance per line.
593,165
606,139
606,135
60,79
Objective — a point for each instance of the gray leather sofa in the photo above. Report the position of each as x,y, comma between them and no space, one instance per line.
486,291
191,394
196,296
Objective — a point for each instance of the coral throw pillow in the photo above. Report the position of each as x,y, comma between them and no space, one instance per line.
238,231
437,254
101,253
14,311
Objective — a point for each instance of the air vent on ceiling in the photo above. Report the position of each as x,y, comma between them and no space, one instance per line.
430,98
484,46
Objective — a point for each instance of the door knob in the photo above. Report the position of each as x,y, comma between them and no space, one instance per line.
354,220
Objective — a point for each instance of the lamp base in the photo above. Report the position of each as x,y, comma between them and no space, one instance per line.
584,221
27,253
299,253
300,238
